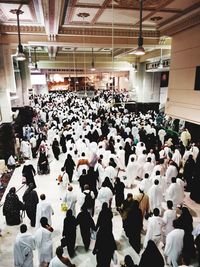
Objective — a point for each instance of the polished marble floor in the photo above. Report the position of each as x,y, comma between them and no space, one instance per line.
47,184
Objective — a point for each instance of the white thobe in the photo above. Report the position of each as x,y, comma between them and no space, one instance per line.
177,157
155,197
105,195
148,168
44,244
175,193
70,198
121,159
44,209
195,152
174,246
154,230
145,184
56,262
23,250
170,172
110,172
152,156
161,134
131,172
25,149
168,217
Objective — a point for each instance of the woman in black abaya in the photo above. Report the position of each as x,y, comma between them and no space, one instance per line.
104,247
69,232
151,256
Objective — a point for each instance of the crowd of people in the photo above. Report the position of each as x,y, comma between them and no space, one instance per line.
107,150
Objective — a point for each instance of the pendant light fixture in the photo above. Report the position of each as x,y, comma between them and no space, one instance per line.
20,56
160,66
69,79
30,63
140,49
35,69
93,67
134,65
36,66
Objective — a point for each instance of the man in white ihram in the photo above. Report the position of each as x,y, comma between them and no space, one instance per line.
23,248
174,245
44,209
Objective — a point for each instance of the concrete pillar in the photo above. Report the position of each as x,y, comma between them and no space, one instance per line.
148,85
5,104
25,82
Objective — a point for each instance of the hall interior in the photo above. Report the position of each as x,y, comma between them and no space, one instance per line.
62,41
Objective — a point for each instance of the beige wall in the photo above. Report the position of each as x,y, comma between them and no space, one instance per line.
183,102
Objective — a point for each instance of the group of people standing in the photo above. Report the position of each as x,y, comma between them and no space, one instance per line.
109,150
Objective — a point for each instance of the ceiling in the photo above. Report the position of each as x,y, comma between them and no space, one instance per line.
66,31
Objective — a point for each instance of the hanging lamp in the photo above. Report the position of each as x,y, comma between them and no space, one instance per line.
20,56
140,49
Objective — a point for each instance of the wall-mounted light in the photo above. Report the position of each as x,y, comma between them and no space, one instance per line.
20,56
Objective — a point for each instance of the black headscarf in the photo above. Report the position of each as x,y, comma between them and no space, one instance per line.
151,256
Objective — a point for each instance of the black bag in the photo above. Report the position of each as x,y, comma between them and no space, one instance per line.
89,202
63,242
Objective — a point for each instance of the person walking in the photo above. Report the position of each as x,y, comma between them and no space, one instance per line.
69,232
44,243
30,199
86,223
23,248
59,260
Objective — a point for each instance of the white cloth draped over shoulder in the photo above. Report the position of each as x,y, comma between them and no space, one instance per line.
23,250
44,209
44,244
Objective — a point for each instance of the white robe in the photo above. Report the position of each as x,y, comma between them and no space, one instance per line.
105,195
161,134
71,199
168,217
177,157
174,246
170,172
145,184
155,197
131,172
44,209
23,250
148,168
175,193
110,172
56,262
154,230
44,244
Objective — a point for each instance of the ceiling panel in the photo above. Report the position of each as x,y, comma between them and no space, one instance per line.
120,16
182,4
11,18
91,11
159,17
90,2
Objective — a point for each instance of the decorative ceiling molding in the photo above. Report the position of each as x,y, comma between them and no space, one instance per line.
175,17
70,11
23,29
158,7
100,11
107,32
189,22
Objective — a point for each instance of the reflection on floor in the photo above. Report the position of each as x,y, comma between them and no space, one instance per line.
47,184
